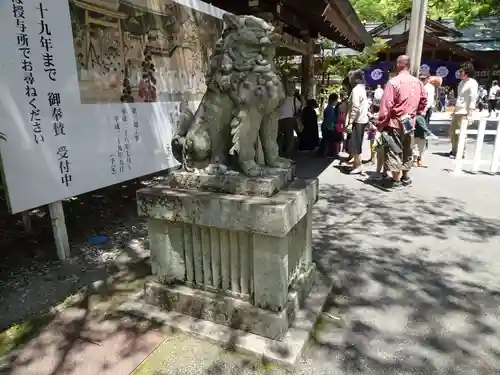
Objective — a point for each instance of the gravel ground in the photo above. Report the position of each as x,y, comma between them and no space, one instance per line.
32,280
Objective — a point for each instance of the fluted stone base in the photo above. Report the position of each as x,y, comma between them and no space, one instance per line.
236,260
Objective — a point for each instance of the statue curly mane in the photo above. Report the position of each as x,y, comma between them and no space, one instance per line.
243,95
239,50
242,56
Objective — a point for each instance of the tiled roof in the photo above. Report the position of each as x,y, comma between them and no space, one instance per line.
341,51
448,22
369,26
486,46
486,28
482,35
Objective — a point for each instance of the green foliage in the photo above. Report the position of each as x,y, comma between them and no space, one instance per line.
21,333
286,67
325,44
329,89
383,10
339,66
463,12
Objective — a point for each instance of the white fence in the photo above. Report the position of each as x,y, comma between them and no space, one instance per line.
477,161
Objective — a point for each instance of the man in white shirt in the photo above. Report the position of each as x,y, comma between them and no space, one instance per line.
493,98
377,96
465,105
287,123
430,84
357,118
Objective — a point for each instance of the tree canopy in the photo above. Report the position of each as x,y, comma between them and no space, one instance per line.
463,12
339,66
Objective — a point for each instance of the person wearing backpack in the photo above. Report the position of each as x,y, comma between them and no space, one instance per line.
493,97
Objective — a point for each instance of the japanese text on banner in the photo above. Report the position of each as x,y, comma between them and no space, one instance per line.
28,70
54,98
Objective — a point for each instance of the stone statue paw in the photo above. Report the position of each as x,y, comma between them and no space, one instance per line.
216,169
252,169
281,163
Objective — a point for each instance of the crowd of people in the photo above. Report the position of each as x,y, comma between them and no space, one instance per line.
395,119
489,99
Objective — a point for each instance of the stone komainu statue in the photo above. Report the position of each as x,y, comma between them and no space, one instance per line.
242,101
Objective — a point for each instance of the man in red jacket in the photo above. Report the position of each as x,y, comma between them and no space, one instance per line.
404,98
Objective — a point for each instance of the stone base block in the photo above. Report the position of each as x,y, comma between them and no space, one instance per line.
233,182
283,352
272,216
231,312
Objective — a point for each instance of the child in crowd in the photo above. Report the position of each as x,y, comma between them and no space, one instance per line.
381,171
372,132
340,142
377,148
422,132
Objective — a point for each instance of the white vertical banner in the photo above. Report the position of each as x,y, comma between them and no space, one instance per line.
91,90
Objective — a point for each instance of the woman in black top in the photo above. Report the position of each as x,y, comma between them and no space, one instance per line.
309,137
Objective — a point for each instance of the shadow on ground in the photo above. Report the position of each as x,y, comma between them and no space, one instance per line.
32,279
414,291
415,288
86,333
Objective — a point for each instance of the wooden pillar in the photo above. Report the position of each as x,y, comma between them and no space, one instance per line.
308,81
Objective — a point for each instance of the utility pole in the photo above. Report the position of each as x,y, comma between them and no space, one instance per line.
412,36
416,34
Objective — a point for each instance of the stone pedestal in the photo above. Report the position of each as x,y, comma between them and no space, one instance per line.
233,250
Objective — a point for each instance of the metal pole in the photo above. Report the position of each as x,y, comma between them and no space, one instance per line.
420,37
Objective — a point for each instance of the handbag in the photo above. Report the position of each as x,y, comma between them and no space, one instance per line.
389,141
299,126
406,124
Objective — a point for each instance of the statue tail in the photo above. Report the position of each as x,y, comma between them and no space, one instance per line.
236,125
186,157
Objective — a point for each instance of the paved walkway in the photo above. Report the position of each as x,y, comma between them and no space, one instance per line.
78,342
416,275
